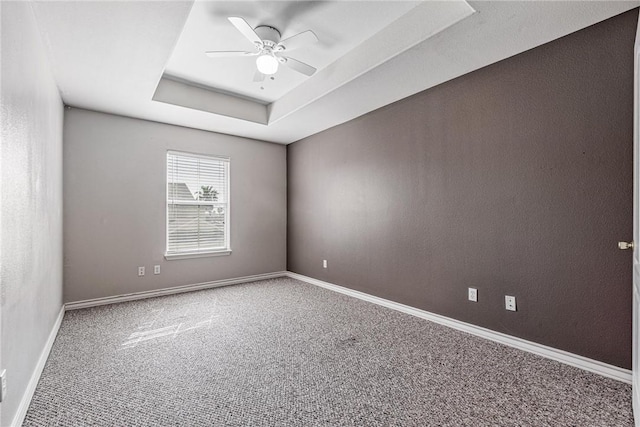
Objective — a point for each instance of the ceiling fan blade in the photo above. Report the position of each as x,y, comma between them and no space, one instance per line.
246,30
298,66
302,39
258,77
222,53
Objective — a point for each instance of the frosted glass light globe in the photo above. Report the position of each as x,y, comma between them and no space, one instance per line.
267,64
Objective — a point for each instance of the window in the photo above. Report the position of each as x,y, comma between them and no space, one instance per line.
197,205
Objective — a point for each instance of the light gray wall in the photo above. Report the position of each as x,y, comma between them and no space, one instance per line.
31,201
115,195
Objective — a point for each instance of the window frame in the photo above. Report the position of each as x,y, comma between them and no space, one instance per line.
226,250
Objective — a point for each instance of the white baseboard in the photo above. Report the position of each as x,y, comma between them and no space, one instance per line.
169,291
562,356
37,371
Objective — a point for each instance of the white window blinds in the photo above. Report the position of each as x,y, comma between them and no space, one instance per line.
197,204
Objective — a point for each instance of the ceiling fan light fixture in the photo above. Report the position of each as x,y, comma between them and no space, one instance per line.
267,64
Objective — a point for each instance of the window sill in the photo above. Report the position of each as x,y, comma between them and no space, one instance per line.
187,255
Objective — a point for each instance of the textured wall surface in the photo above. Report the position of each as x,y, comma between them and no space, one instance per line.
515,179
115,205
31,201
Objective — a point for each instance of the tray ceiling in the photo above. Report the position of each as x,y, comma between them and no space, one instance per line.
339,25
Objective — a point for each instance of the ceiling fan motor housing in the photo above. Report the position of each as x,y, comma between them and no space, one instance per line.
270,36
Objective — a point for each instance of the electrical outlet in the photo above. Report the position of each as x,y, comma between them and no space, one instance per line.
3,385
510,303
140,271
473,294
324,263
156,269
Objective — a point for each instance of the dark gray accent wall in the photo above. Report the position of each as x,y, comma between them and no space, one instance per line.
515,179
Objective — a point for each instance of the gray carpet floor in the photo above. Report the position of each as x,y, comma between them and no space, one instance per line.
284,353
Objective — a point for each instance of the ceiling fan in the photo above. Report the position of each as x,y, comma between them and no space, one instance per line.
270,49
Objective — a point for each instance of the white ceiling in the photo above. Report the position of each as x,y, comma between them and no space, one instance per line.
110,56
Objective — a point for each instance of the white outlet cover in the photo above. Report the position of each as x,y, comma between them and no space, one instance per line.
156,269
473,294
324,263
510,303
140,271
